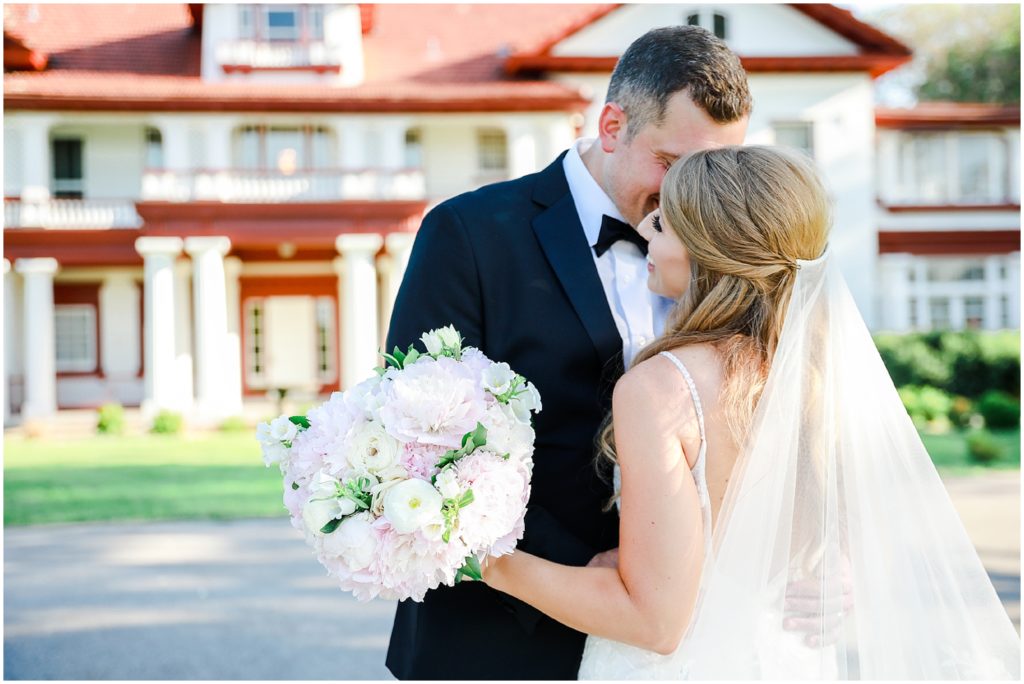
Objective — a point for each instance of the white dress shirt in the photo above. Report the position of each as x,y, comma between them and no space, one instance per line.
639,313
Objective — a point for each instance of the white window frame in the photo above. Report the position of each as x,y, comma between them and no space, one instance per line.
277,34
326,315
485,158
87,361
706,19
908,180
793,124
253,378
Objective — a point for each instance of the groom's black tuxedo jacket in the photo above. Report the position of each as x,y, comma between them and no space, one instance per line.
509,266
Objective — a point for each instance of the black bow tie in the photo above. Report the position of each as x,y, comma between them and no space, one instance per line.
613,230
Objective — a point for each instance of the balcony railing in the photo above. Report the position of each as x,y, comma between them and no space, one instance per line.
71,214
320,185
249,54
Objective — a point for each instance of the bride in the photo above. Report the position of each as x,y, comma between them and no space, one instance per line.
767,473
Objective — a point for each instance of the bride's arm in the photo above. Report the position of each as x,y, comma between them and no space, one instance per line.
647,601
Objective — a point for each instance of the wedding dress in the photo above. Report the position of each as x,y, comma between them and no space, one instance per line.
835,499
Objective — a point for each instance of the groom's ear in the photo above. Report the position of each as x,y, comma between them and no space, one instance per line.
611,126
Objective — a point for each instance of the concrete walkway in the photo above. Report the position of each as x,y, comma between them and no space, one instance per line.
246,599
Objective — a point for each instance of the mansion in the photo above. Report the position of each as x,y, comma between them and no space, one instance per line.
205,203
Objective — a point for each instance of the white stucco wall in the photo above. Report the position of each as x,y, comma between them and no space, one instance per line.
752,30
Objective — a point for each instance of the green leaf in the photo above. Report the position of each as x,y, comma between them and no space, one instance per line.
479,436
470,569
295,485
379,371
466,499
301,421
331,526
398,354
411,356
392,361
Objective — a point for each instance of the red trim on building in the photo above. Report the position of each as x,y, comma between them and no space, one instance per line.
113,247
315,68
82,293
904,208
366,12
875,64
949,242
936,115
253,287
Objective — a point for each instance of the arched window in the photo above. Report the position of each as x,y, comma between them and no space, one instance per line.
714,21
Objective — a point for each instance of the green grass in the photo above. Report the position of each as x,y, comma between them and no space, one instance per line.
949,452
153,477
218,476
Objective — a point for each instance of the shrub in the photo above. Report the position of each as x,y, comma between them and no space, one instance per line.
234,424
1000,410
167,423
110,419
910,361
924,403
961,411
983,448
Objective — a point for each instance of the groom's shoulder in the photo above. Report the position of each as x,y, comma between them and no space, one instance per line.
497,203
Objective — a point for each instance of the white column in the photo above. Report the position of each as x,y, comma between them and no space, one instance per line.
896,301
351,144
9,328
522,148
218,143
233,353
174,134
119,327
39,343
561,135
209,289
158,290
922,293
1013,285
184,369
1013,181
994,288
36,157
392,143
399,246
358,299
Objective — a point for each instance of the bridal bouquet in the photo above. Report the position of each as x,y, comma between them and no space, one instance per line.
411,478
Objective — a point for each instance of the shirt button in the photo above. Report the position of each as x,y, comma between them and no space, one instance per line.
642,341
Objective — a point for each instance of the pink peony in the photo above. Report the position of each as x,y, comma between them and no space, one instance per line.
500,493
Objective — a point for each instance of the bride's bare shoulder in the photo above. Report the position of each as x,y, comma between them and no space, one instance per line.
656,382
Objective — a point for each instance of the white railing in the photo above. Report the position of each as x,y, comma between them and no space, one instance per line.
235,185
266,55
71,214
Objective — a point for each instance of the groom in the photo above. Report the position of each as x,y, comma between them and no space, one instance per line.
547,273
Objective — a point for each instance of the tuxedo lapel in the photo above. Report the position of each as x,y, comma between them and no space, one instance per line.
561,237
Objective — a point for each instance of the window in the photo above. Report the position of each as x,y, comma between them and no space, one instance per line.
325,339
940,313
796,134
955,167
974,312
67,168
951,270
75,334
284,149
716,22
281,22
154,149
246,23
255,365
912,313
492,150
1004,311
413,149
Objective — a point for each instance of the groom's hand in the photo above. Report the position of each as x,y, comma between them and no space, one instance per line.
605,559
820,620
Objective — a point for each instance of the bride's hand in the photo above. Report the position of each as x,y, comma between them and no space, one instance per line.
605,559
821,622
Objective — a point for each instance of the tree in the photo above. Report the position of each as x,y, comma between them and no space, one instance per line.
963,53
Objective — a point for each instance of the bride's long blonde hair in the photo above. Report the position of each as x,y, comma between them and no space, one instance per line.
745,214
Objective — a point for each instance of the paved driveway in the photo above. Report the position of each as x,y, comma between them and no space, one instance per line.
246,600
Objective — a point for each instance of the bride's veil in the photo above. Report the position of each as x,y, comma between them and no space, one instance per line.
836,516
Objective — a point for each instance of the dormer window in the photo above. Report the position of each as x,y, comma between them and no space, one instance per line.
281,23
716,22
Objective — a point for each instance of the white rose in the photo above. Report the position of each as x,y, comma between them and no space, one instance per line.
527,401
354,541
373,449
283,430
447,485
319,512
432,341
412,505
498,378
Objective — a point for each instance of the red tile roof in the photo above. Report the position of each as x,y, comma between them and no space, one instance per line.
946,114
418,57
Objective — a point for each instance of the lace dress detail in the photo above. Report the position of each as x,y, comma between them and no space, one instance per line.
607,659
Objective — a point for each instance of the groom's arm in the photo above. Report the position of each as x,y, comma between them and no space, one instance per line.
441,287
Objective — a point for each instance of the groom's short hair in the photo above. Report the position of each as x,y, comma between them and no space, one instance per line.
664,61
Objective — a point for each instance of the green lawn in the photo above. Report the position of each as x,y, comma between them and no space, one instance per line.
153,477
219,476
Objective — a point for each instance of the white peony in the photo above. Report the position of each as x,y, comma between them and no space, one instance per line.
354,541
273,452
282,429
506,434
365,397
432,402
498,378
413,505
527,401
372,449
432,341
